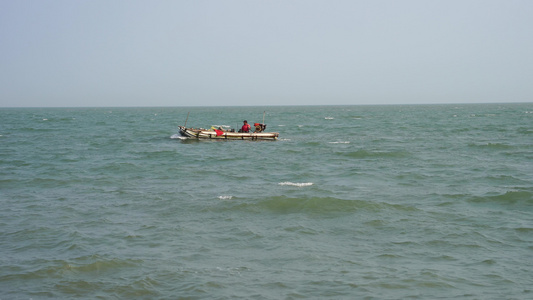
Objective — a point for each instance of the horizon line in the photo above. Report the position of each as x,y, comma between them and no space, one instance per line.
276,105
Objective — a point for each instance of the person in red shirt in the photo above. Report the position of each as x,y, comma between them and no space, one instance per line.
246,127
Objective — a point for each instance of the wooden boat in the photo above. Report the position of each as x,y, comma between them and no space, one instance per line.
201,133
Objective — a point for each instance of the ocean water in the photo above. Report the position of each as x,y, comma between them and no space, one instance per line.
352,202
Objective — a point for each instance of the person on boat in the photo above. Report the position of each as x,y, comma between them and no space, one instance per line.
219,131
245,127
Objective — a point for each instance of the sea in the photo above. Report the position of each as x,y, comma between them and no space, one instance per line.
351,202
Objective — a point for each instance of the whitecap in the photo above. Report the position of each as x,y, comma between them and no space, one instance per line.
329,118
341,142
298,184
177,136
225,197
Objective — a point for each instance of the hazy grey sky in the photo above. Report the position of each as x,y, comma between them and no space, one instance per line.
245,52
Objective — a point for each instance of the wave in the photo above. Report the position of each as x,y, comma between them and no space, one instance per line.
495,146
377,154
525,130
315,205
319,205
301,184
525,230
63,119
510,197
58,268
177,136
482,115
103,265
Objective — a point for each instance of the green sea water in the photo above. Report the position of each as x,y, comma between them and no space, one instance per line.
352,202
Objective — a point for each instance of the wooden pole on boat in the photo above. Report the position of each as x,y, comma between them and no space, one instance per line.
263,117
185,125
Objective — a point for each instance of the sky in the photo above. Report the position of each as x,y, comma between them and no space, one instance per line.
100,53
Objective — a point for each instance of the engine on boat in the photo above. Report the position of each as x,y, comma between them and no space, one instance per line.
259,127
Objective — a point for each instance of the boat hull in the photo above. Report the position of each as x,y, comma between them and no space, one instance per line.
209,134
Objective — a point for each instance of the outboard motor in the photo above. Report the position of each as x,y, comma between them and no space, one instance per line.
259,127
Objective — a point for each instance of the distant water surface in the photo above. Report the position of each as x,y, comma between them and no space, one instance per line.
352,202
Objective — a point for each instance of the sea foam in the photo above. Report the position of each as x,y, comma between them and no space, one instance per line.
177,136
298,184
